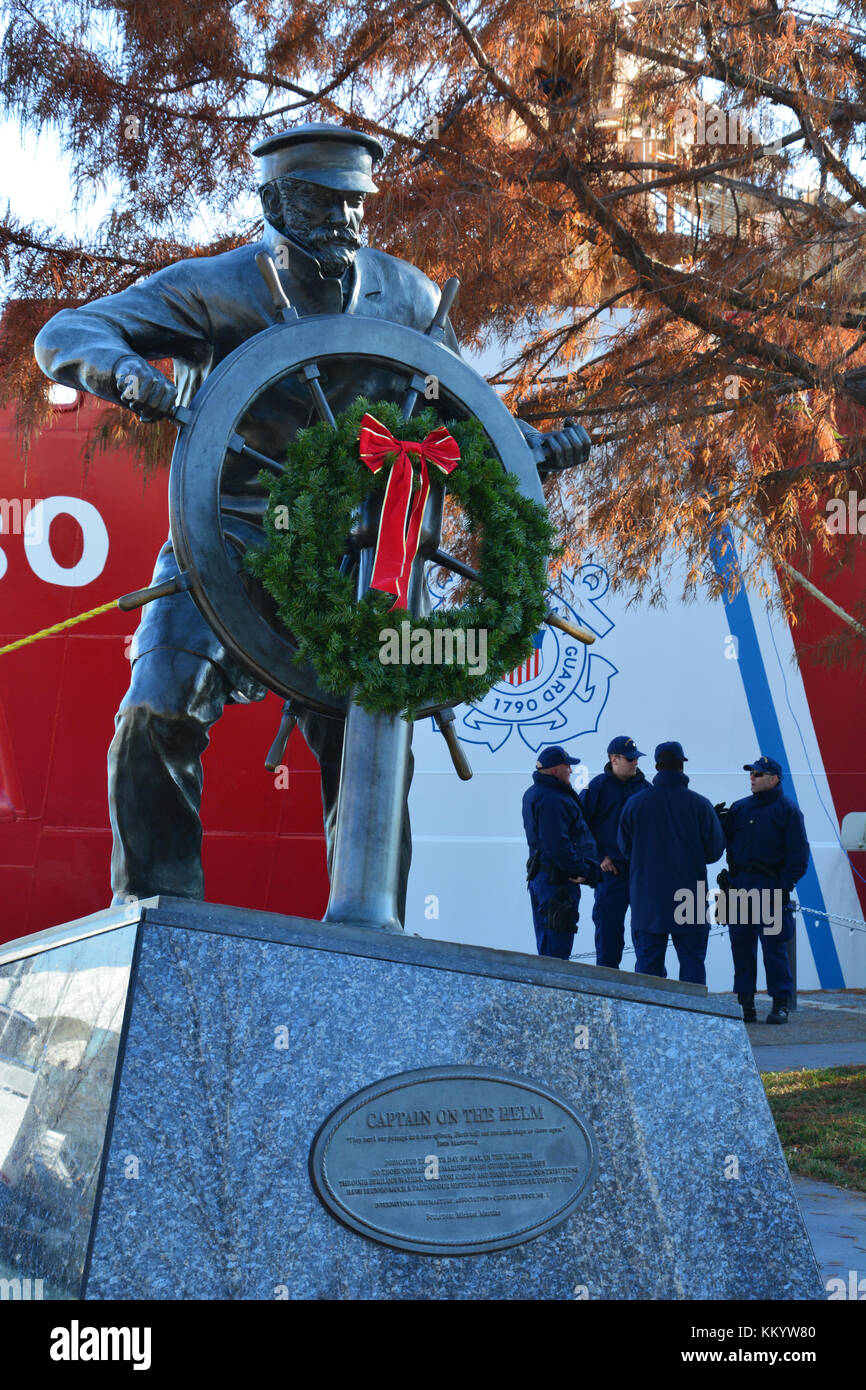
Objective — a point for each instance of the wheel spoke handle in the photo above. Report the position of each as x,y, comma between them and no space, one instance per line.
445,722
436,331
139,597
279,298
581,634
277,750
446,301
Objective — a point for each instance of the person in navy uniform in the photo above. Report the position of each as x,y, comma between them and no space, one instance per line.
768,851
602,802
562,852
669,835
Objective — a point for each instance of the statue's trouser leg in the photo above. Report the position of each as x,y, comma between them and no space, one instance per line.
324,737
155,776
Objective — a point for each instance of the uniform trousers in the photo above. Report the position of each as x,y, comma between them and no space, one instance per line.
744,949
548,942
690,946
608,915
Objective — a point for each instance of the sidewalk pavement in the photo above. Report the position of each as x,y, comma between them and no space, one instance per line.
796,1056
828,1029
836,1221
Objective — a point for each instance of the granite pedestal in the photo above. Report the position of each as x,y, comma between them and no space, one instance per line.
208,1046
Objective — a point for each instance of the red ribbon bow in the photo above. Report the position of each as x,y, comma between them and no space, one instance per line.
402,510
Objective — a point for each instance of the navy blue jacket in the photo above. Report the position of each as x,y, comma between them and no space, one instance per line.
602,802
668,835
555,825
766,829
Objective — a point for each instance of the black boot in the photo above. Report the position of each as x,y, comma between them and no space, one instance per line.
748,1003
779,1011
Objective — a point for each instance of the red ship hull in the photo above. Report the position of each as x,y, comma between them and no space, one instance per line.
263,844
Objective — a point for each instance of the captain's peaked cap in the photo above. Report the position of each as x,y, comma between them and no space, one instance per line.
329,155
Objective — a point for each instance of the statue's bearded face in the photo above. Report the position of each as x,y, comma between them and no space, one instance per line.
326,222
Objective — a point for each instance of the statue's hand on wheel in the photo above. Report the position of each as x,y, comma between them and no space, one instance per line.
567,447
143,389
558,449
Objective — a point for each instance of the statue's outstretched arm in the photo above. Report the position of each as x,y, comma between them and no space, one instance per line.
103,347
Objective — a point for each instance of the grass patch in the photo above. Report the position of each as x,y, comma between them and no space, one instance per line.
821,1119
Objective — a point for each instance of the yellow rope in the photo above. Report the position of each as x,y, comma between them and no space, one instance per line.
58,627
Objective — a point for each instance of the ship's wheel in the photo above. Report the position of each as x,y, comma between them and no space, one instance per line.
299,370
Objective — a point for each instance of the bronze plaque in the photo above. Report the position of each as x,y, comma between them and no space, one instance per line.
453,1160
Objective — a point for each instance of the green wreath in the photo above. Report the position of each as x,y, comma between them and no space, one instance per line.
308,519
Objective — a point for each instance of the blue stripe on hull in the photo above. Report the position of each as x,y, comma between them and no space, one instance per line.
769,735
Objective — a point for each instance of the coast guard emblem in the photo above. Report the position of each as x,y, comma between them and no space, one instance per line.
561,689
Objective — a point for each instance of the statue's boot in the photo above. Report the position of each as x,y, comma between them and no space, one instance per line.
155,775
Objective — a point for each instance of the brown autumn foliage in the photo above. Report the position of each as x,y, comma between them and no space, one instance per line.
659,206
